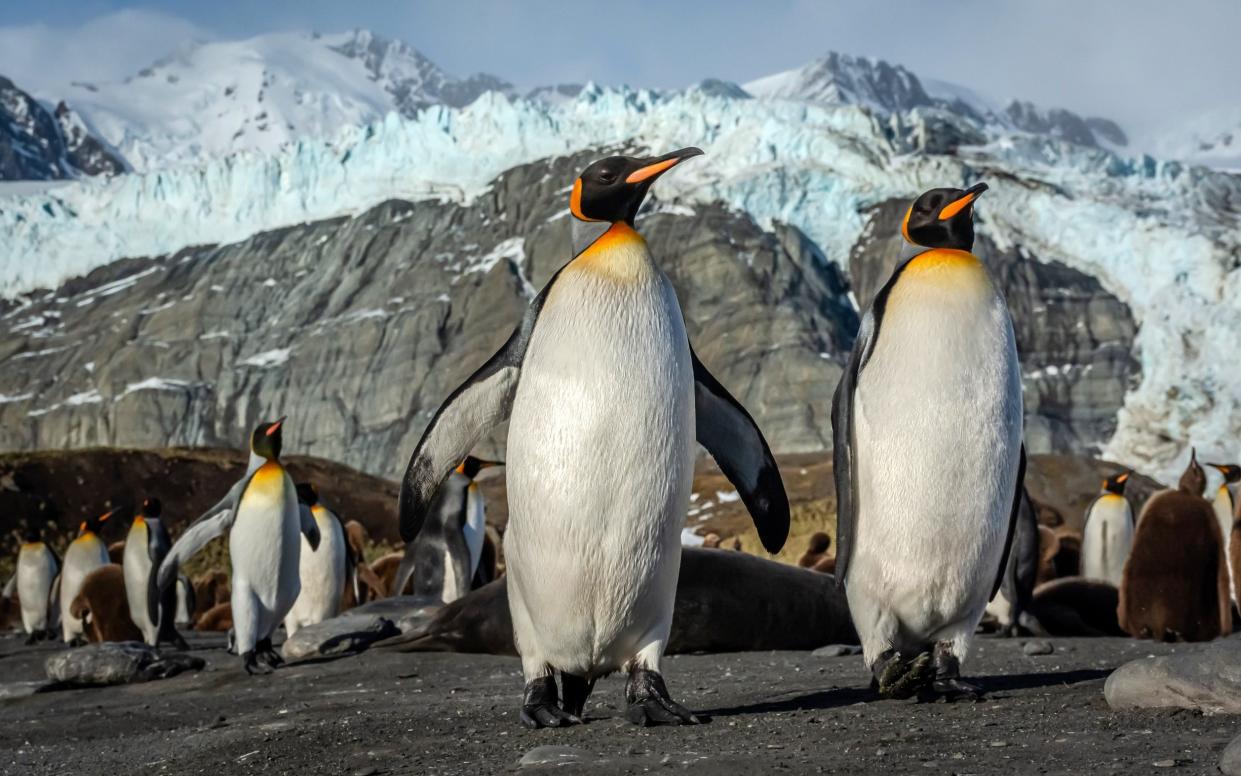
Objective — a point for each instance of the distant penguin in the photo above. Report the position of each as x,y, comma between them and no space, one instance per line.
146,544
324,570
261,516
1225,513
816,549
186,603
1011,606
929,463
1048,550
443,560
37,569
85,554
1108,532
1175,585
102,607
605,401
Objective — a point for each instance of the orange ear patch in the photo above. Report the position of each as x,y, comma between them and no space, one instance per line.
575,202
905,224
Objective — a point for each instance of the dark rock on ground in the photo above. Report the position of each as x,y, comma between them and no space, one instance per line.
117,663
1201,677
1037,647
837,650
1230,760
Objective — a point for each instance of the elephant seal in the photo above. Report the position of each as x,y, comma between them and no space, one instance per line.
725,602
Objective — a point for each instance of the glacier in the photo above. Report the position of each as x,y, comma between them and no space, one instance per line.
1162,236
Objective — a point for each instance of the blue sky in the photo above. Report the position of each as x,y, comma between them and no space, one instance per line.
1143,62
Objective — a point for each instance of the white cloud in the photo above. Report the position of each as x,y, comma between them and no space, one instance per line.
42,59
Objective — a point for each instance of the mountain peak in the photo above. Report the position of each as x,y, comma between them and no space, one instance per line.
848,80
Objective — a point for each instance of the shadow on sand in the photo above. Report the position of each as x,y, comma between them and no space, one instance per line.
847,696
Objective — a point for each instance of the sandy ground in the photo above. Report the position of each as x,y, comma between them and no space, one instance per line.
390,713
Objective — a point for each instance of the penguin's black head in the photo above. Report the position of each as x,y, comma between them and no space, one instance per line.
266,440
95,524
307,493
1231,471
32,534
151,507
1116,483
471,466
612,189
943,218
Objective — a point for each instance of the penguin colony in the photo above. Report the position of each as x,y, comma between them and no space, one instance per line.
606,403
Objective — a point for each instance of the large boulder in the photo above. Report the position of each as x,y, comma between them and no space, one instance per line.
1205,678
118,662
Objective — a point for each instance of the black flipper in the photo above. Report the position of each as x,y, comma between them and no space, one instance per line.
479,404
728,432
1012,521
158,545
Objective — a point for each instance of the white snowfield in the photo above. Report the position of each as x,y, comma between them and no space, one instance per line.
1161,236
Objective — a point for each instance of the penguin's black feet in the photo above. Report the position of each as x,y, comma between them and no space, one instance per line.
250,662
576,691
179,643
948,684
539,708
649,704
268,655
898,678
31,638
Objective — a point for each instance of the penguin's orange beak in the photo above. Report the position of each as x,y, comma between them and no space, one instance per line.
660,165
276,426
104,517
957,205
1122,477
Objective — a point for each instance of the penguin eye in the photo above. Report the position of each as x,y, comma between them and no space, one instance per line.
607,176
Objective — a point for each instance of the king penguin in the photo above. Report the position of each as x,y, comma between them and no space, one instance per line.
152,610
444,558
85,554
37,569
605,399
324,570
927,424
262,518
1108,533
1225,511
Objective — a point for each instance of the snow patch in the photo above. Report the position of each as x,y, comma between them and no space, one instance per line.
267,359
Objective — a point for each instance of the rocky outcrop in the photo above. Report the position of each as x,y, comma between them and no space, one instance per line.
38,145
1206,678
1074,338
357,328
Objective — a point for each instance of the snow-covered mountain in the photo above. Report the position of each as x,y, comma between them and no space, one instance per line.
840,79
1161,237
1212,139
38,144
208,100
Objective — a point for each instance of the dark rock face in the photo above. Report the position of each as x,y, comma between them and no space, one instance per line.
1055,122
36,145
358,328
117,662
1074,338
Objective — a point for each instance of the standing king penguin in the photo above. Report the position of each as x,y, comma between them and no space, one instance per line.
927,423
152,610
605,399
1108,533
85,554
323,569
37,569
262,518
444,558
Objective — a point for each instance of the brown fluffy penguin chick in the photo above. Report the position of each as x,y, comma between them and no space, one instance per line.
211,588
217,618
385,568
101,603
816,550
1175,584
1048,548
